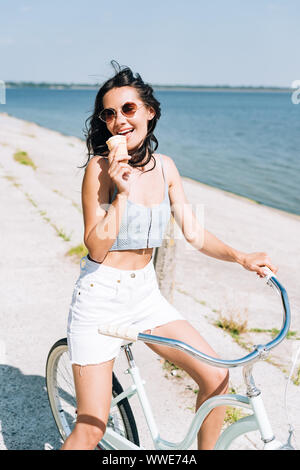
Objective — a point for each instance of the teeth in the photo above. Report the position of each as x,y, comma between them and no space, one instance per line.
125,132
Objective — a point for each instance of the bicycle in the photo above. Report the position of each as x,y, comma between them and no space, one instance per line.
121,432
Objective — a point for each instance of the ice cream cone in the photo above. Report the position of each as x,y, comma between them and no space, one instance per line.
119,140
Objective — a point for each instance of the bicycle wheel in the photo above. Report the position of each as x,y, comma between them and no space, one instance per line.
62,399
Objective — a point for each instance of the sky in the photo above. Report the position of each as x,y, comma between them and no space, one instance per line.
177,42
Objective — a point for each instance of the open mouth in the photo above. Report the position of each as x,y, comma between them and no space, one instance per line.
126,132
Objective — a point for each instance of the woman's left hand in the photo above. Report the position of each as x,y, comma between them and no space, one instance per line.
256,262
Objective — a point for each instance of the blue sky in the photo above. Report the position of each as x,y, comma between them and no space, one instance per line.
212,42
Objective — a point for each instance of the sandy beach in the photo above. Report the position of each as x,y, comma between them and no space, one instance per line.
42,220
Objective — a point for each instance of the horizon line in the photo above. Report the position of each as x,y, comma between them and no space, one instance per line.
156,85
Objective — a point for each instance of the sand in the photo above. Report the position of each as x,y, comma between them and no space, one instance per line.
41,220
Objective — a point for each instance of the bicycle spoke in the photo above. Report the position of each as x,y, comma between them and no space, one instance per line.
61,392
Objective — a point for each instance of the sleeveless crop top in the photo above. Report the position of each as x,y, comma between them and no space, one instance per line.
142,226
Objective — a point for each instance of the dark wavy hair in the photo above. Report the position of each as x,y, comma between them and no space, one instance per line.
96,131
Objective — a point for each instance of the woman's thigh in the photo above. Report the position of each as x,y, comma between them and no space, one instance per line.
93,385
205,375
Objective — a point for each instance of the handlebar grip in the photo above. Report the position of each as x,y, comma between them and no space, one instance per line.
269,273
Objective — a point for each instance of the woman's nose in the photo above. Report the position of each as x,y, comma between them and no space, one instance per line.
119,118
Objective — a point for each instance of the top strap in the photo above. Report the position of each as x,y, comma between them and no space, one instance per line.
164,176
163,172
162,166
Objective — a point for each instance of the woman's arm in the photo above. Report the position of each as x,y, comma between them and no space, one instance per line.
214,247
201,239
101,220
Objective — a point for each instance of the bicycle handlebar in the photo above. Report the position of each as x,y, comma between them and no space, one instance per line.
260,351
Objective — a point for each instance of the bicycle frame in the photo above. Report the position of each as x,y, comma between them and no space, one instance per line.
258,420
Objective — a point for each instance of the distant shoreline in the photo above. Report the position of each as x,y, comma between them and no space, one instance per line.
187,178
53,132
222,88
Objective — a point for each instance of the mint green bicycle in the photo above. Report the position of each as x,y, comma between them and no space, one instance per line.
121,432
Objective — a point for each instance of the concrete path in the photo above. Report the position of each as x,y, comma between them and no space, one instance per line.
40,211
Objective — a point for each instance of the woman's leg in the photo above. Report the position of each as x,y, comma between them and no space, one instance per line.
211,380
93,385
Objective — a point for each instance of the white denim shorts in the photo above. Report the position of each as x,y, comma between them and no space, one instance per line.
104,295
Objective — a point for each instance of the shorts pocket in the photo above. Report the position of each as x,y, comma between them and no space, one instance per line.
92,288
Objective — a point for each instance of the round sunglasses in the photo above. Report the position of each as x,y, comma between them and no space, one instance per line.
128,110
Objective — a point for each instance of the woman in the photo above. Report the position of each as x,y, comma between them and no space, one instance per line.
127,201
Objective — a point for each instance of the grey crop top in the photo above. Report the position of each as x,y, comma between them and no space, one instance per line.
142,226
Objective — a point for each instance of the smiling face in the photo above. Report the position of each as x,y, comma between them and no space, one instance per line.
135,128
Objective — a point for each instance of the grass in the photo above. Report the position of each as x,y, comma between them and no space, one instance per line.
23,158
12,179
181,291
296,379
172,369
274,332
60,232
175,371
233,414
194,390
74,204
236,330
77,206
32,201
233,326
78,251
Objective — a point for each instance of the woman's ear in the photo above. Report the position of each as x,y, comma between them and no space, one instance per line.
151,113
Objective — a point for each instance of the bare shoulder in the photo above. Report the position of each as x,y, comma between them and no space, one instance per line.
97,164
96,178
97,170
171,171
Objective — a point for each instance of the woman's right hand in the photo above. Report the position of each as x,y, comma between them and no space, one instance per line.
119,170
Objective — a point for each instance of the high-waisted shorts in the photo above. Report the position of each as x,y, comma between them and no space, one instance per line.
109,296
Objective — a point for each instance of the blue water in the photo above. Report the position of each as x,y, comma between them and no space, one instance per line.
244,142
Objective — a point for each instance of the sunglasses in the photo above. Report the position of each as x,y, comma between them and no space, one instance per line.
128,110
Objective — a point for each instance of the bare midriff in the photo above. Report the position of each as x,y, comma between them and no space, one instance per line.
128,259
